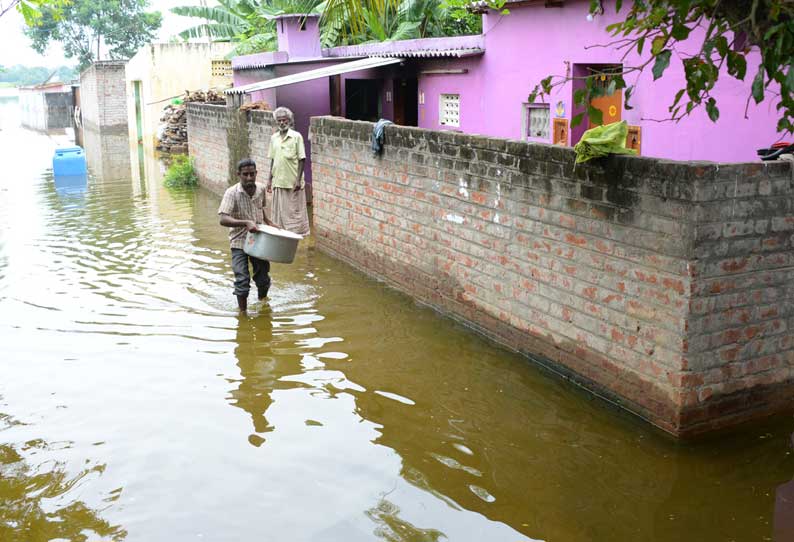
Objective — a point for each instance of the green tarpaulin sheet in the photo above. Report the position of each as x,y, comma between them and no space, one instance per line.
603,140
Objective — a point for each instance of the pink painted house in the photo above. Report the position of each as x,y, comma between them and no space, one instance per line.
480,84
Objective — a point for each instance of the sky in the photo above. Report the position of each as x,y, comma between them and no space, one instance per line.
15,46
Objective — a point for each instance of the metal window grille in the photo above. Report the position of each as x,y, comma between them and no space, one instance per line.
449,110
538,121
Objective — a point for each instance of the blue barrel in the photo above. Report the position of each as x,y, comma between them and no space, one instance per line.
69,161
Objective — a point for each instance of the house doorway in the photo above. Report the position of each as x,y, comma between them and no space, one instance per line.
335,91
611,106
406,104
361,99
136,87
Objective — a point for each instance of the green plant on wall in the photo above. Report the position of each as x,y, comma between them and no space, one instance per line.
181,173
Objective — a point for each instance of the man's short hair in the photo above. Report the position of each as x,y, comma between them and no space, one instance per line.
284,112
245,162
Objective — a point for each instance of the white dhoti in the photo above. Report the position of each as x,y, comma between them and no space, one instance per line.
288,210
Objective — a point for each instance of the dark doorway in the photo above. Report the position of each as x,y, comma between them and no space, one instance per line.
406,108
335,89
361,99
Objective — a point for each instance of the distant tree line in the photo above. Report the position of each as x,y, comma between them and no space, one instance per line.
27,75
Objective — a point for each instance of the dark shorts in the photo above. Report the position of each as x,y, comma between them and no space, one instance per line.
242,278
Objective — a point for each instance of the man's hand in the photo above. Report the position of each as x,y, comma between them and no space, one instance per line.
250,225
297,186
270,185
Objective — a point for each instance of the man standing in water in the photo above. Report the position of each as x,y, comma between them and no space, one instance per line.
241,209
287,158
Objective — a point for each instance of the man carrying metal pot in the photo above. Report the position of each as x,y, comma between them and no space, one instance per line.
241,209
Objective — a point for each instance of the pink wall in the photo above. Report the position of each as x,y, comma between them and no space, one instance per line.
300,41
533,42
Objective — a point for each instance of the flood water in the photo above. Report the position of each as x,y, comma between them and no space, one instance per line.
136,405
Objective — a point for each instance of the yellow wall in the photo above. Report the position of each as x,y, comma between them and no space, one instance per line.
167,70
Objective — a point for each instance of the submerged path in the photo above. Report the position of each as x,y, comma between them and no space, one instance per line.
136,405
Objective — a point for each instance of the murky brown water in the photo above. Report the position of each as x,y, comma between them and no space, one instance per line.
135,405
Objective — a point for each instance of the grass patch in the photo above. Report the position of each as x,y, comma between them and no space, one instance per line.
181,173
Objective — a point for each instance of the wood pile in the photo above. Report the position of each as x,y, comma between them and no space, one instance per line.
172,135
255,106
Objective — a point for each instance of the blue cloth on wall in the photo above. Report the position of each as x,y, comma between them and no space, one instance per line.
377,135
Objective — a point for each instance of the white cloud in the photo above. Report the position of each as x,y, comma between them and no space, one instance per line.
15,46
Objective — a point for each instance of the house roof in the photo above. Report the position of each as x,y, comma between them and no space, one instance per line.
481,6
325,71
449,47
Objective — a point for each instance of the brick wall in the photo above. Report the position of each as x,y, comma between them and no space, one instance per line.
740,348
219,136
623,275
103,95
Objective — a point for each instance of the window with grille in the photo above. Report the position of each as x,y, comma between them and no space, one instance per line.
449,110
221,68
537,122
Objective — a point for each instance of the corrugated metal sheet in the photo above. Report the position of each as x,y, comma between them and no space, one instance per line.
435,53
327,71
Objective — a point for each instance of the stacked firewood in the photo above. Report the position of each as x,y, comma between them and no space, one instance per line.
172,135
255,106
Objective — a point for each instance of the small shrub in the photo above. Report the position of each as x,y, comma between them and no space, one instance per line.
181,173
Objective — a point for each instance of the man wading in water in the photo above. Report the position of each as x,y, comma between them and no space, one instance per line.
287,158
241,209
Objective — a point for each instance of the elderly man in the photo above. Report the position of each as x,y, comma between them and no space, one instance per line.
241,209
287,158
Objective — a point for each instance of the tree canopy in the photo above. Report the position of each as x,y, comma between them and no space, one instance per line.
250,22
34,75
92,29
726,32
31,9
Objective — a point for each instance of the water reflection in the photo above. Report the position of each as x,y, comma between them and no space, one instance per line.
107,152
257,372
784,509
38,494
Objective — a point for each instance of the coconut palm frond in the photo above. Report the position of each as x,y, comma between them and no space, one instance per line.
215,31
266,41
215,13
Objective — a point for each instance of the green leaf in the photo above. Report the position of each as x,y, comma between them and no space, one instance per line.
579,96
658,44
640,45
711,109
29,13
784,125
758,86
677,98
773,30
533,95
661,64
680,32
790,78
618,5
722,45
595,115
737,65
627,97
577,120
546,84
